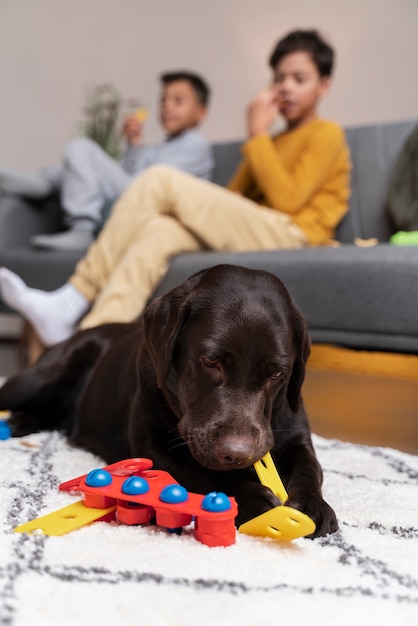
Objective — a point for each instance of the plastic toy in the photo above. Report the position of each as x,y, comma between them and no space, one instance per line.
133,493
67,519
282,523
5,432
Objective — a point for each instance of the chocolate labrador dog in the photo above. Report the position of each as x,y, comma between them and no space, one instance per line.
205,385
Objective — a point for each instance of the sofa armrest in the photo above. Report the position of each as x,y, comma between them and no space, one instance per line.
21,218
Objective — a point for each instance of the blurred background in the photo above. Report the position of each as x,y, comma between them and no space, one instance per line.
52,52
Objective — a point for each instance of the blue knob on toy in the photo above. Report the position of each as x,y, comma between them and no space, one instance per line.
135,486
173,494
216,502
5,432
98,478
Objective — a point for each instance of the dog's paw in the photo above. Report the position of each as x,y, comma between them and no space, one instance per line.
254,500
319,511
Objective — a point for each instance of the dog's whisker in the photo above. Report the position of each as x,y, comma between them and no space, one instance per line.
177,446
179,442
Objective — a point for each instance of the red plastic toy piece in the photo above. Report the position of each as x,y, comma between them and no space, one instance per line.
157,495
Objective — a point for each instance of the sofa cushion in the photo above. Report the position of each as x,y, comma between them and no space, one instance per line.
374,150
402,196
38,268
368,299
20,219
227,156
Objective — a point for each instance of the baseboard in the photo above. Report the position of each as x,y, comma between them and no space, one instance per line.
329,357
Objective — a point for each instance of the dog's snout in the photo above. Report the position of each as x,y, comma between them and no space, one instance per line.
236,451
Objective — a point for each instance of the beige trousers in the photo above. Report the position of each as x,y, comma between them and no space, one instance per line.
162,213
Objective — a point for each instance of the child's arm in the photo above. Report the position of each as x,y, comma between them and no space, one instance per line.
262,112
132,130
190,152
132,160
290,191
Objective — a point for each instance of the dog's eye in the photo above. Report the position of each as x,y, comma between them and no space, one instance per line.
276,375
209,362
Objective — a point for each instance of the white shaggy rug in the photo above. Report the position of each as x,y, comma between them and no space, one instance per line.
105,574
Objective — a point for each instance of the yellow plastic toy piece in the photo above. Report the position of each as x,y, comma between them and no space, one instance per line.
64,520
282,523
269,477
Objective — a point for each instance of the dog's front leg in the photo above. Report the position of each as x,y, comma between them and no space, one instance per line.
302,475
253,499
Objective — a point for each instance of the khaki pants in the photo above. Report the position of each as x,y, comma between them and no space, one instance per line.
165,212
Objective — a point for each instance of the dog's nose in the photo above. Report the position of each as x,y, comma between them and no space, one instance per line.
235,451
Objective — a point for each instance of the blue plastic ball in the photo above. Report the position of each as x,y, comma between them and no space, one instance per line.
5,432
216,502
173,494
135,486
98,478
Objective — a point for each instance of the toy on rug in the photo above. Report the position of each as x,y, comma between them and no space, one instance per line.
282,523
133,493
5,432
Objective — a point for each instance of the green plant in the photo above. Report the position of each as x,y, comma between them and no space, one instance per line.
102,118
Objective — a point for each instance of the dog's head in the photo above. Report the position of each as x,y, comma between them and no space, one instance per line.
229,349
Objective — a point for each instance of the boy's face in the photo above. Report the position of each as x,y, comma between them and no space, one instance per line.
179,107
300,87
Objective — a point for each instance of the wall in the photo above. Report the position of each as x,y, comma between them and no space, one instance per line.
52,51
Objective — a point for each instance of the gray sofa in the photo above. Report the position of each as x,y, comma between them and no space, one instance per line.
359,297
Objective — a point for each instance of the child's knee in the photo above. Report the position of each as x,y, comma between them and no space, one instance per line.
163,180
79,146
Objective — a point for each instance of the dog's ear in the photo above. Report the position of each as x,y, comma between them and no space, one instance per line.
163,320
302,345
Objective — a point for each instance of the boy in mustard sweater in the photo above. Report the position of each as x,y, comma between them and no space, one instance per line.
290,191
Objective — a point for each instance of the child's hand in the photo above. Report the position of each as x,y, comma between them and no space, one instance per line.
132,129
263,111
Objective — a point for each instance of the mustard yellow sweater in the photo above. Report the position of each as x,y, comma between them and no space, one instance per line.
303,172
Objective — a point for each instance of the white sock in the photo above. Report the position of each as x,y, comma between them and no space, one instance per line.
53,314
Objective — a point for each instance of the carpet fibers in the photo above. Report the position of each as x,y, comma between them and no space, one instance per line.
367,573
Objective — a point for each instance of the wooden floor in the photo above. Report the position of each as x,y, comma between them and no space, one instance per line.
369,398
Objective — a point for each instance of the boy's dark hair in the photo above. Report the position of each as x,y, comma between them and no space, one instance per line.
305,41
199,85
